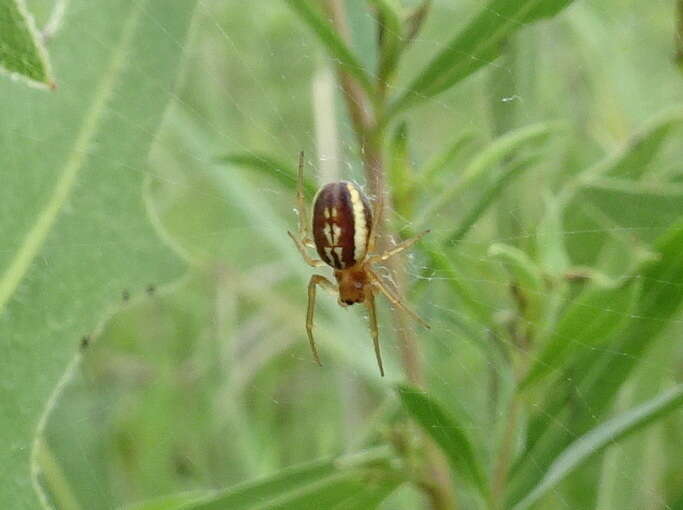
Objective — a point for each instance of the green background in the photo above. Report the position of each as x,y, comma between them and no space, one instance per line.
177,268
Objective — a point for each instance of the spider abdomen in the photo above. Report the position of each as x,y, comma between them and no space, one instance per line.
342,220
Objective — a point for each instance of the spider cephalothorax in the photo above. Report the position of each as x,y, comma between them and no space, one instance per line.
343,233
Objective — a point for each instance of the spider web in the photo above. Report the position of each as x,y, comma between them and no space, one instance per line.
209,382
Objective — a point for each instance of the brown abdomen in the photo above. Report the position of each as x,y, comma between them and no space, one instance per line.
342,220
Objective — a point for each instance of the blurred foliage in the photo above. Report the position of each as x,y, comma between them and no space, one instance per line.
543,153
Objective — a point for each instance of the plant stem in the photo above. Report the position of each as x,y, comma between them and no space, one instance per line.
501,467
366,116
679,34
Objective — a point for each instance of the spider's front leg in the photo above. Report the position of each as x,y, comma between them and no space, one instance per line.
374,330
315,280
304,234
402,246
304,238
393,298
302,249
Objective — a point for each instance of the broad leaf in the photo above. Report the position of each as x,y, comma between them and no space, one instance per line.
21,49
76,231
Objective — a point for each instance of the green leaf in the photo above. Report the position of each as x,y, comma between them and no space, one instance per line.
446,262
492,190
660,299
333,43
445,431
281,171
439,163
483,165
390,37
21,49
589,322
346,491
79,232
366,477
599,438
619,179
172,502
477,45
552,252
401,172
525,274
598,376
636,158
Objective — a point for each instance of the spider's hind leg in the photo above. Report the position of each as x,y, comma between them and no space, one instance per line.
315,280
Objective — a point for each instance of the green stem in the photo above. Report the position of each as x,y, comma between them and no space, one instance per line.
679,34
367,118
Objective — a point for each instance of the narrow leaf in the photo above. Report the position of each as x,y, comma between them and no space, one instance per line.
21,49
487,161
598,376
446,263
636,158
391,40
488,197
661,298
353,490
589,322
318,477
172,502
283,172
476,46
441,162
604,435
552,252
445,431
333,43
525,274
401,172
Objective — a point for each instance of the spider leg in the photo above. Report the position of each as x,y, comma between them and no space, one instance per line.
302,249
315,280
374,330
378,211
404,245
304,234
393,298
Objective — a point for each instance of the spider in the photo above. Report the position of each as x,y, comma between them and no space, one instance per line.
343,233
